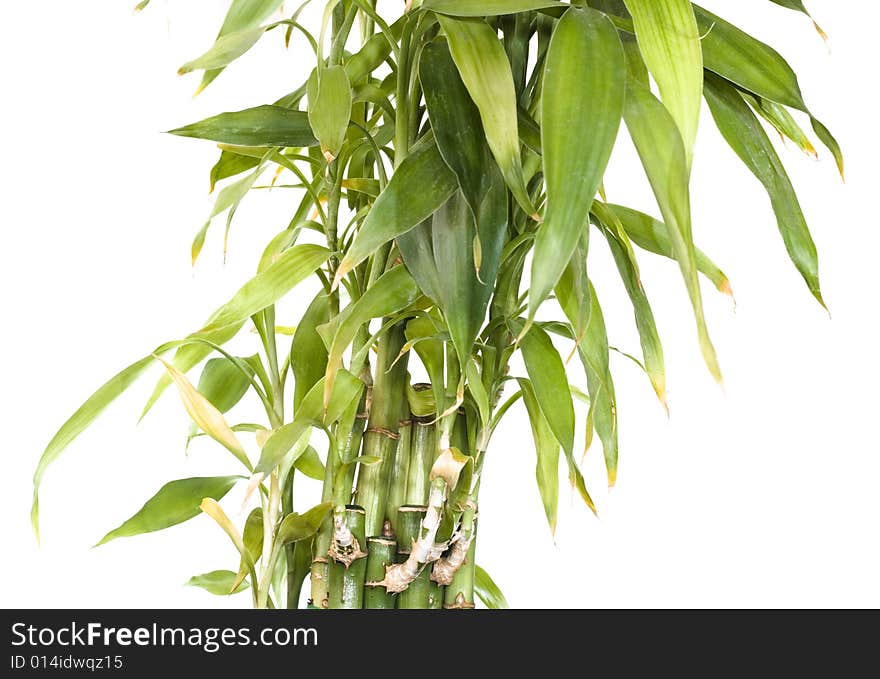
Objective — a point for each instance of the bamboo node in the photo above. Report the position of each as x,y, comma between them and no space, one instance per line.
381,431
347,555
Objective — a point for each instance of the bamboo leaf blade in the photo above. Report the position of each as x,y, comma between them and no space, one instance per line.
582,105
330,101
669,41
743,132
265,125
488,591
220,583
485,70
419,186
663,156
296,527
547,450
482,8
224,51
175,502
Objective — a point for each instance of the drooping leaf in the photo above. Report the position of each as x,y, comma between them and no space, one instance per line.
782,121
242,15
488,591
330,102
485,70
420,185
213,509
205,415
227,49
547,450
669,41
652,235
743,132
231,164
755,66
266,125
308,355
652,349
176,502
394,291
218,582
547,374
296,527
582,104
309,463
663,156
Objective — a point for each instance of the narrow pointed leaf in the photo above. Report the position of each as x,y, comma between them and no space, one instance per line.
221,583
330,102
174,503
289,270
584,86
652,235
663,156
223,383
260,126
670,44
547,450
485,70
550,382
488,591
308,355
213,509
420,185
226,50
242,15
743,132
205,415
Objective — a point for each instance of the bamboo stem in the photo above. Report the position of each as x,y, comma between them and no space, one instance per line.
410,521
348,560
459,593
423,452
381,555
381,437
399,473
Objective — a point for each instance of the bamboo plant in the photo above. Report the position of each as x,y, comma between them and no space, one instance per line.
447,159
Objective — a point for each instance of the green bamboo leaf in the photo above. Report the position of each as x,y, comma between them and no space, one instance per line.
663,157
79,422
218,582
478,391
743,132
374,52
594,354
227,49
419,186
309,463
296,527
745,61
311,413
578,130
487,590
393,292
265,125
547,374
669,40
267,287
213,509
308,355
652,349
485,70
231,164
205,415
422,333
176,502
652,235
223,383
330,101
455,121
781,120
252,539
483,8
547,449
242,15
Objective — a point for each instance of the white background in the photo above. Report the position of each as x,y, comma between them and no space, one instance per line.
761,495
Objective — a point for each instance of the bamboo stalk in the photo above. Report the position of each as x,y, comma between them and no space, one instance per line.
410,521
381,555
423,452
381,437
459,594
348,560
399,473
